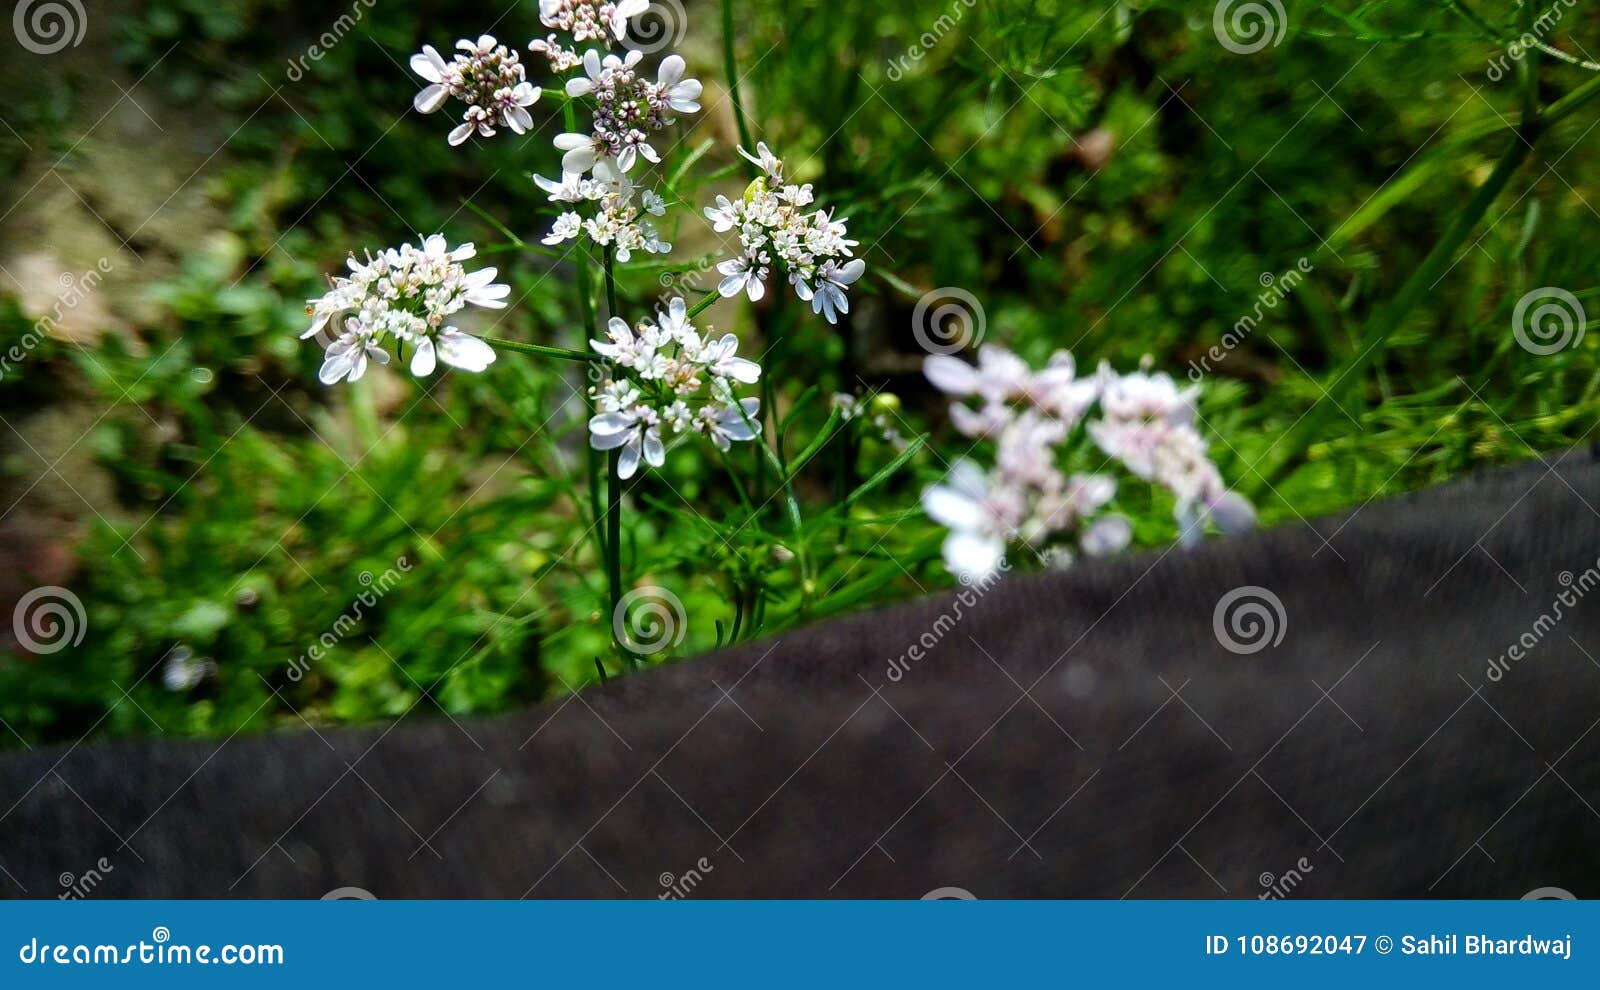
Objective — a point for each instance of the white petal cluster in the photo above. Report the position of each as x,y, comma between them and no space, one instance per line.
622,211
605,21
773,224
1146,422
629,108
664,381
407,294
486,76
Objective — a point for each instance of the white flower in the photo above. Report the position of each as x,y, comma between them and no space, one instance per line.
486,76
408,294
567,226
832,280
346,358
743,275
976,546
628,109
636,435
813,248
728,423
605,21
765,160
682,95
665,380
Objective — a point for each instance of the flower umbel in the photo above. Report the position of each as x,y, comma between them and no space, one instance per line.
409,294
812,247
665,381
628,109
486,76
1146,423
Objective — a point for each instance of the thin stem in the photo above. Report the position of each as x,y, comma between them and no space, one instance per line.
704,304
731,67
540,350
614,497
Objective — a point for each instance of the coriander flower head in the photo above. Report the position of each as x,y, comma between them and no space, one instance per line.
621,220
1145,423
629,108
486,76
664,381
406,294
812,247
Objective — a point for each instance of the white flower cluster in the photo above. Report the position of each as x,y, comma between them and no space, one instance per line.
1147,424
408,294
666,381
605,21
628,109
621,217
487,77
813,247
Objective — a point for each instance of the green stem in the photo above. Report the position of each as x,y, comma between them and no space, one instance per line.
731,67
540,350
704,304
614,497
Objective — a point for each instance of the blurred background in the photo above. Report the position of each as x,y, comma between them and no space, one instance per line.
1236,193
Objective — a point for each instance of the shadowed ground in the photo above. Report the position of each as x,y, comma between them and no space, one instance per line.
1081,734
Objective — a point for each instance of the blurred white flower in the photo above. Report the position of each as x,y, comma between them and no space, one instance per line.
485,75
1146,424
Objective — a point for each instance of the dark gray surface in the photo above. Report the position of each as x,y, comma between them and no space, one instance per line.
1144,760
